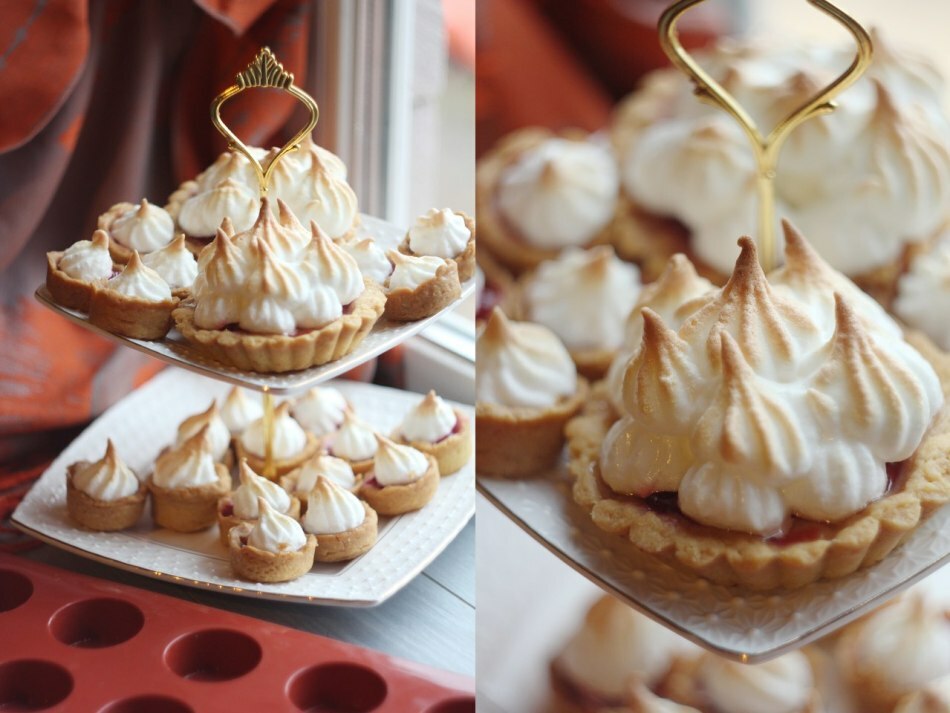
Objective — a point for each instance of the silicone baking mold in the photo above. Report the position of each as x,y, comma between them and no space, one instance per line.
75,643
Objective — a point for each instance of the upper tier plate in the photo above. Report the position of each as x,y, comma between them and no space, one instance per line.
175,350
746,626
144,422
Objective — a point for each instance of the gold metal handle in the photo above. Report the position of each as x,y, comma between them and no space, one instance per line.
765,148
263,71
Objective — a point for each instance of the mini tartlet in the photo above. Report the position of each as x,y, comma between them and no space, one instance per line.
435,428
72,274
186,485
278,297
136,303
402,479
272,549
344,525
219,436
290,447
444,233
716,464
526,390
320,411
584,297
241,505
106,495
303,479
539,193
143,228
355,442
420,286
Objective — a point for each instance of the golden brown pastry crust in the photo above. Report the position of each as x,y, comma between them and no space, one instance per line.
66,291
515,442
256,565
130,316
749,561
226,522
189,509
465,260
452,452
349,544
103,515
499,240
279,353
399,499
431,296
281,465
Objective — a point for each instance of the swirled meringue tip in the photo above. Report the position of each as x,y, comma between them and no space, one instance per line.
286,217
100,239
319,234
246,473
227,227
203,418
201,441
111,456
497,327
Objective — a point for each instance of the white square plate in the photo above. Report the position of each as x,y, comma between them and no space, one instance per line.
176,351
145,421
745,626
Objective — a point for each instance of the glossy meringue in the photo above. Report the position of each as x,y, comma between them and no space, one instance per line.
201,214
519,364
370,258
240,410
174,263
289,438
331,509
141,282
428,421
109,479
355,440
442,233
320,411
275,532
584,297
219,435
253,488
188,465
560,193
394,464
323,465
144,227
317,192
88,260
409,272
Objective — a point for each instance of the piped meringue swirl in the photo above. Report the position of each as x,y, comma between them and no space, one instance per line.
331,509
108,479
88,260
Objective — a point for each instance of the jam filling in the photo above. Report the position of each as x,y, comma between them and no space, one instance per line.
795,530
457,428
227,509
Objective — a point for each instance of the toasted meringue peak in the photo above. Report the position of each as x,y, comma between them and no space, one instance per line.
287,218
370,258
334,267
356,439
304,478
88,260
218,432
310,150
394,464
175,263
137,280
428,421
583,296
442,233
286,237
521,364
615,643
202,214
560,193
331,509
239,410
144,227
252,490
275,532
409,272
322,196
188,464
289,439
767,400
782,685
231,165
108,479
321,410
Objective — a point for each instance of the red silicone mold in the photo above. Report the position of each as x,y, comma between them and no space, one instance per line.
75,643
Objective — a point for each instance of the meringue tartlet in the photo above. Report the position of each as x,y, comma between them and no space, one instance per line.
527,388
584,297
447,234
771,433
273,549
105,495
303,479
345,526
186,485
278,297
290,447
143,228
402,479
72,274
320,411
241,505
420,286
539,193
136,303
434,427
355,442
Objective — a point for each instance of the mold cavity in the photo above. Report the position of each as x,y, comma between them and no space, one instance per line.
465,704
15,589
96,623
337,688
213,655
31,685
148,704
